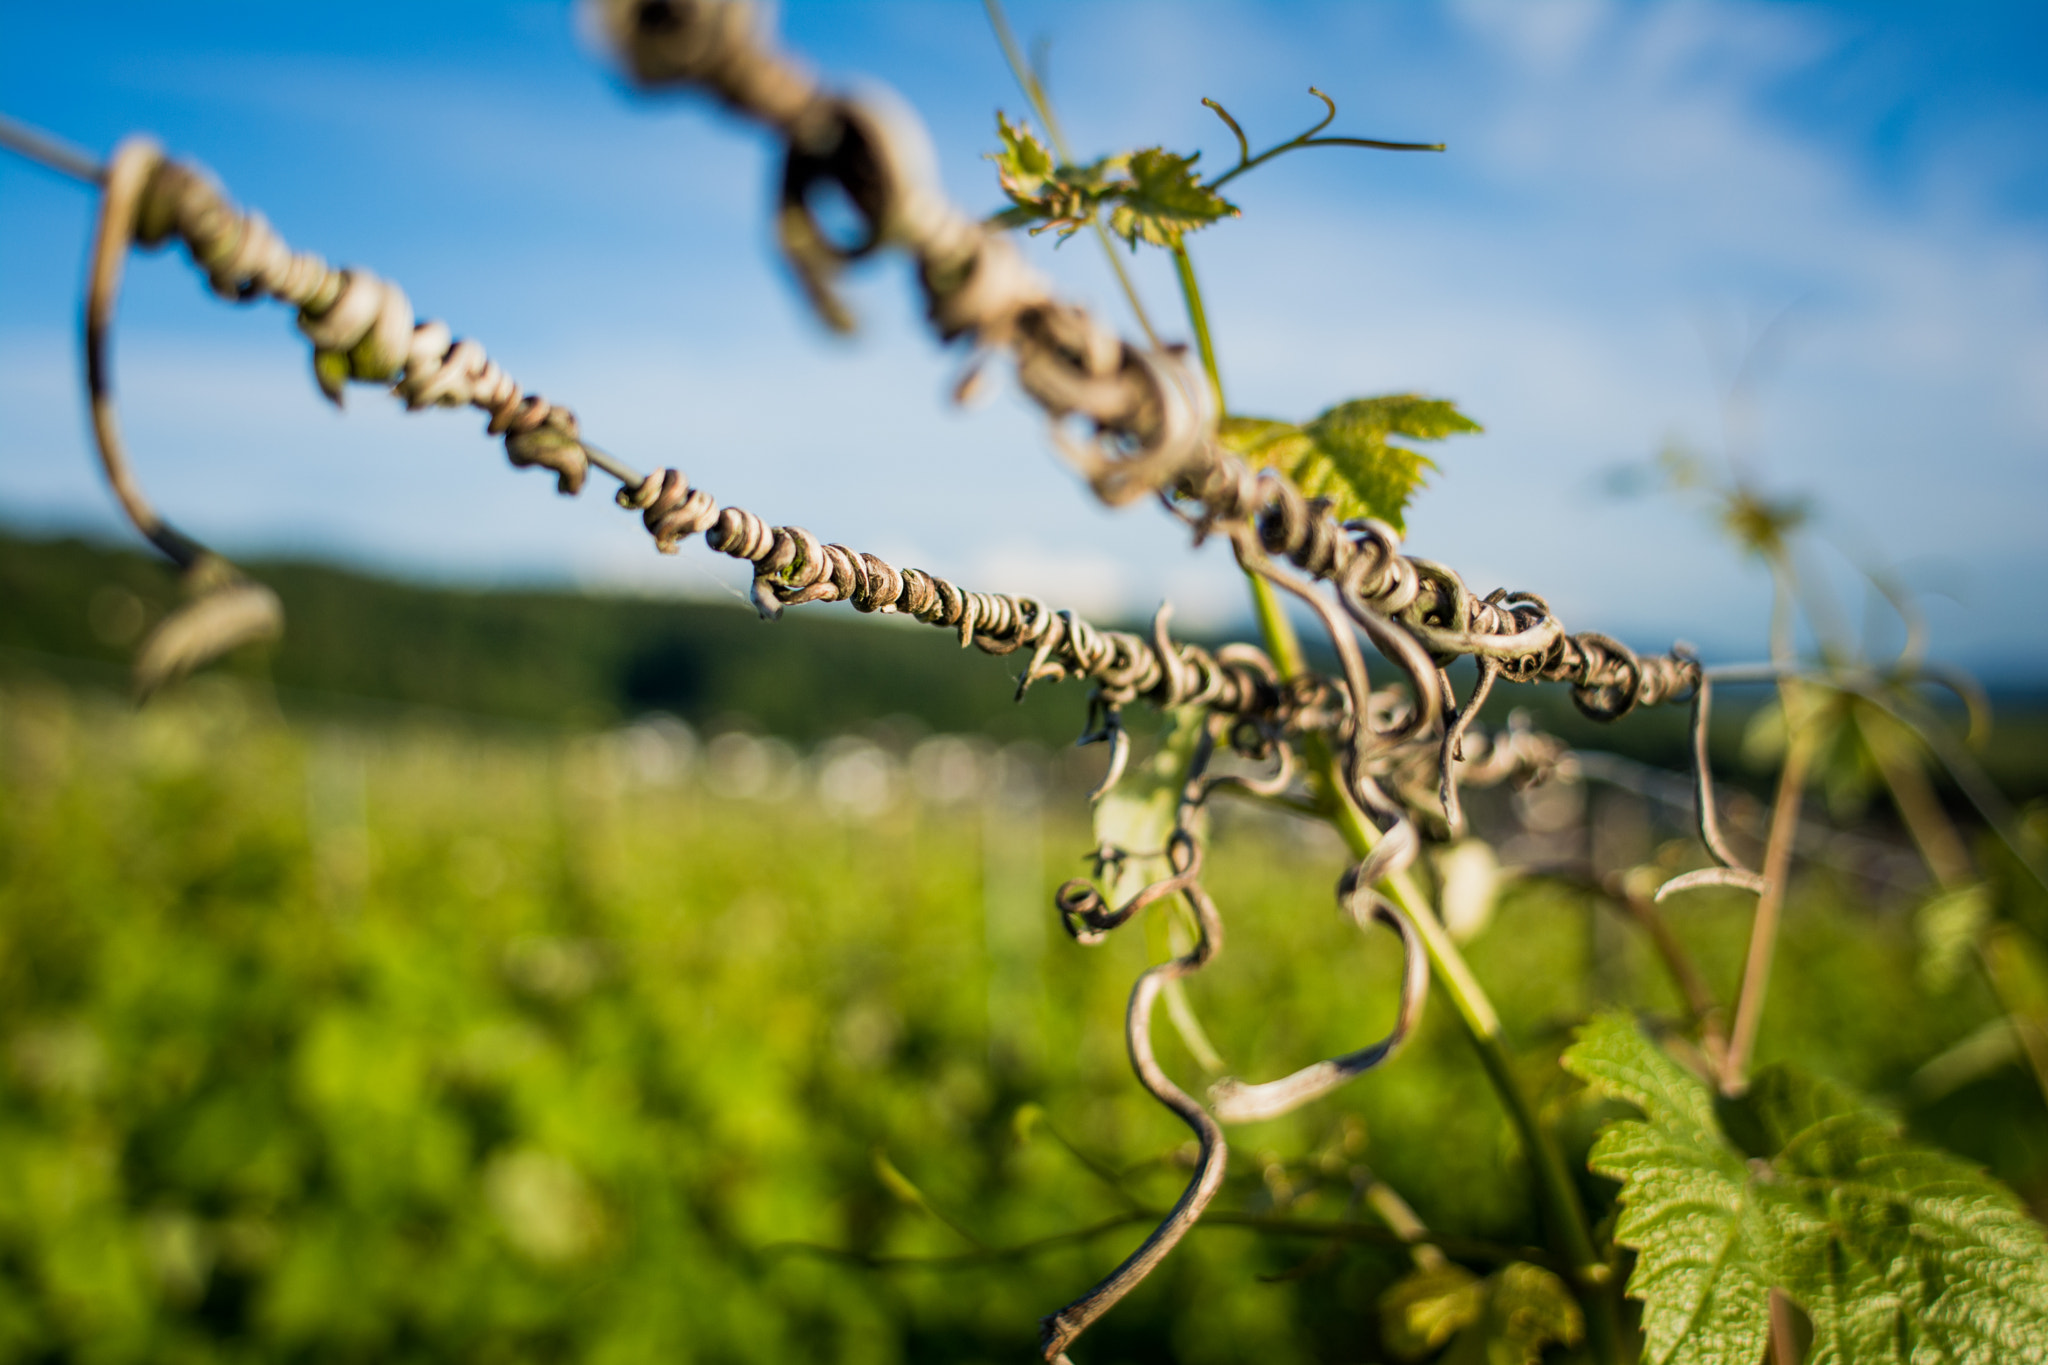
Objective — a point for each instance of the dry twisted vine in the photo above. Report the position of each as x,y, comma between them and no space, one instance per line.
1151,430
1089,917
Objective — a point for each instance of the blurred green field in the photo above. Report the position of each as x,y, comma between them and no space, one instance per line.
414,1041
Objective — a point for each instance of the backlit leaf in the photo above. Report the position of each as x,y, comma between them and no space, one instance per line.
1345,454
1894,1251
1508,1318
1044,194
1950,927
1164,199
1424,1310
1153,196
1024,164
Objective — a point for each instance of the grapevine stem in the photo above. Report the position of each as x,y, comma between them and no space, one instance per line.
1763,933
1566,1217
1198,318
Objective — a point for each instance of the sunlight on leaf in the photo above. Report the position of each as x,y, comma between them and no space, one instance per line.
1950,926
1345,454
1153,196
1893,1250
1164,200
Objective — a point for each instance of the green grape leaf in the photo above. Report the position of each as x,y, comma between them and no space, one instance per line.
1505,1319
1163,199
1895,1251
1153,196
1345,454
1043,193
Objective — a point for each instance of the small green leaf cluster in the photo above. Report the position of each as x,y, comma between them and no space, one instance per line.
1153,196
1893,1250
1507,1318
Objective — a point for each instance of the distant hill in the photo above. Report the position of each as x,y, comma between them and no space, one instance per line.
554,658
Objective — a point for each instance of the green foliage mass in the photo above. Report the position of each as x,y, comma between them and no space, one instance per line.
335,1042
1507,1318
1345,453
1893,1250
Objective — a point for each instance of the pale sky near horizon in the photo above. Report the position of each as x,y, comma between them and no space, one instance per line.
1637,198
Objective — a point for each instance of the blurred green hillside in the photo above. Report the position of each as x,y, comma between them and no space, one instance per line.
340,1042
400,996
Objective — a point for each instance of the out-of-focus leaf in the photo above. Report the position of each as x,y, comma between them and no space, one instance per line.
1894,1251
1345,453
1531,1308
1164,199
1424,1310
1024,165
544,1206
1950,926
1508,1318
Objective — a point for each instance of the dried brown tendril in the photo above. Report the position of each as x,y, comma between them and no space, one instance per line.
1089,917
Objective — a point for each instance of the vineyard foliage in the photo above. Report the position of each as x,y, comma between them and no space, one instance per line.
1892,1249
417,1041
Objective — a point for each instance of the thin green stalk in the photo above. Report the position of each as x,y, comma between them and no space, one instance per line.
1571,1237
1198,318
1282,644
1763,931
1564,1214
1116,264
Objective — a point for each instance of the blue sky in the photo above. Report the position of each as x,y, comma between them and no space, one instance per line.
1634,194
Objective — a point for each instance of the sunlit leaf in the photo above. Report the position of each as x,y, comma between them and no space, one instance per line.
1508,1318
1164,199
1153,196
1024,164
1424,1310
1345,454
1894,1251
1044,194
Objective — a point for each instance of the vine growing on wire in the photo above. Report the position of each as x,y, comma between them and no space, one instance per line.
1746,1192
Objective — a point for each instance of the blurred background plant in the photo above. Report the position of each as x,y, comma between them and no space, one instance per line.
422,1037
384,1025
